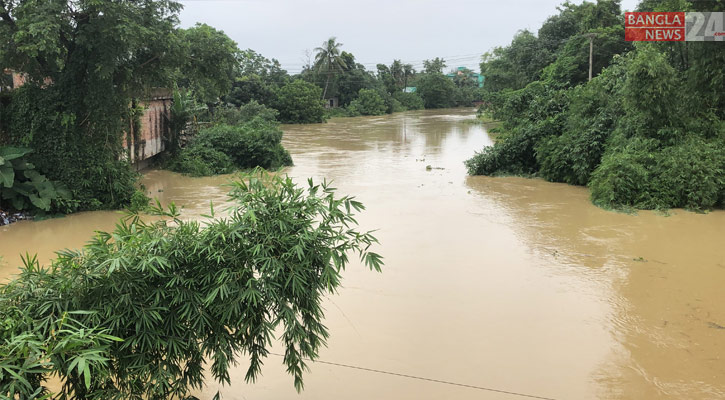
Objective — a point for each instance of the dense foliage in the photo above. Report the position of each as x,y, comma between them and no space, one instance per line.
147,310
85,64
436,90
258,79
223,148
647,132
409,101
209,62
24,188
299,102
368,102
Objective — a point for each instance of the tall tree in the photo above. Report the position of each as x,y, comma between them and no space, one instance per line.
85,61
434,66
396,69
408,72
210,62
329,59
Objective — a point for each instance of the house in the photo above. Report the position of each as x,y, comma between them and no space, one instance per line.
332,102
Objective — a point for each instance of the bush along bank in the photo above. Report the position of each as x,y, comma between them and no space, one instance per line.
239,138
648,132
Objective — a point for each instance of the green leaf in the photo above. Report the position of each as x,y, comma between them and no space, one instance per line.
11,153
7,176
41,202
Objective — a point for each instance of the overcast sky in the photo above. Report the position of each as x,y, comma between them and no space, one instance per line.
375,31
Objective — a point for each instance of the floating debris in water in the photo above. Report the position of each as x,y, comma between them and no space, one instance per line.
7,217
715,326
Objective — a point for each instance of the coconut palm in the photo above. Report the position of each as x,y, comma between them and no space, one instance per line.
328,59
396,70
407,71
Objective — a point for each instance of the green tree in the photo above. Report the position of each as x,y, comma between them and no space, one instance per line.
352,78
270,71
328,60
645,133
250,88
299,102
515,65
210,62
85,62
409,101
259,78
436,90
434,66
385,77
408,73
368,102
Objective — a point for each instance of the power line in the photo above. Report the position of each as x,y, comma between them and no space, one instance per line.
531,396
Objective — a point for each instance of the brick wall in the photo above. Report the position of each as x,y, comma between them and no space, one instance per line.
154,127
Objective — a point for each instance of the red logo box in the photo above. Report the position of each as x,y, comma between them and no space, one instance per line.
654,26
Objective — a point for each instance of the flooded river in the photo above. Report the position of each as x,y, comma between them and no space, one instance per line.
511,284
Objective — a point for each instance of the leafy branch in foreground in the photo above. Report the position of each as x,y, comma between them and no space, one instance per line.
140,311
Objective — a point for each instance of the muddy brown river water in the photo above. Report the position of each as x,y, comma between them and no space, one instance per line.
512,284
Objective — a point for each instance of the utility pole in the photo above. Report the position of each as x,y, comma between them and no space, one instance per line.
591,37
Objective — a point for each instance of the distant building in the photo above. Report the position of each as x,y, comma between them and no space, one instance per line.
332,102
462,70
410,89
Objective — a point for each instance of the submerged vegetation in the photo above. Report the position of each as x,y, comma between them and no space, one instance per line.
648,131
225,148
147,310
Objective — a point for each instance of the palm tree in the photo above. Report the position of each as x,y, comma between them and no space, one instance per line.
327,58
407,71
396,69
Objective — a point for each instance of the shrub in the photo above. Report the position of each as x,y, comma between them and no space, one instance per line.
230,115
24,188
514,152
436,90
409,101
625,178
201,161
368,102
139,202
224,148
146,310
299,102
690,175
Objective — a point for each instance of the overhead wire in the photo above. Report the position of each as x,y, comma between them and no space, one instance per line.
483,388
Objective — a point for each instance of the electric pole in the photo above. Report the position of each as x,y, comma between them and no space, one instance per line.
591,37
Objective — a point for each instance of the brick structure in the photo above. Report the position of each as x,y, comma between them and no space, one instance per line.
142,146
149,141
